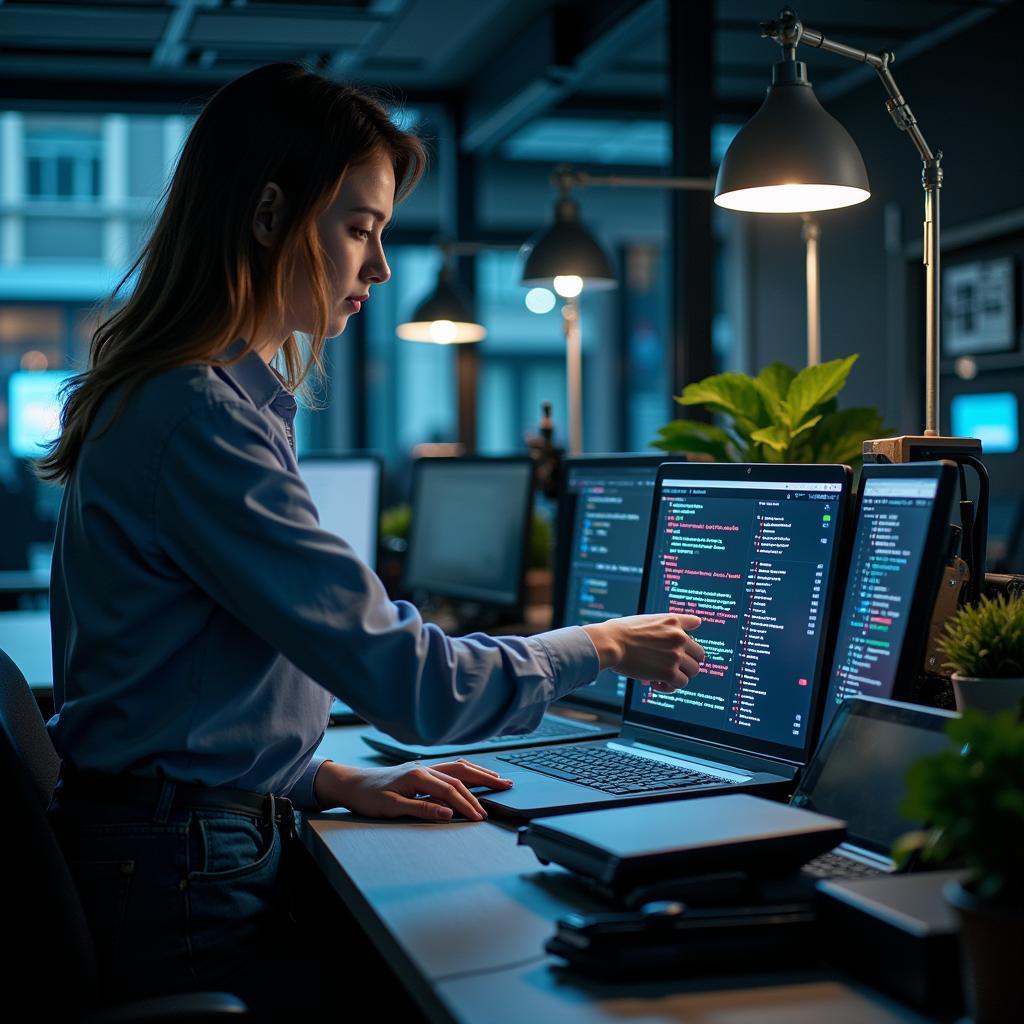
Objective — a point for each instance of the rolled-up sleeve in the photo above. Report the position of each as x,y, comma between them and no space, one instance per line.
242,526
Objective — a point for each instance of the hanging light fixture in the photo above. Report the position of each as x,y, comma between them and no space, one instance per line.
446,316
566,256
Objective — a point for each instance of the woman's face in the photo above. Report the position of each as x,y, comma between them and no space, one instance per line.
350,235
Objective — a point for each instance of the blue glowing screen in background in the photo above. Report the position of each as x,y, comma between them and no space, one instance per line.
33,410
991,417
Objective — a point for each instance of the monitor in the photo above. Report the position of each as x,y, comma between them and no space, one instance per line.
752,550
470,523
346,491
33,410
604,513
896,564
993,417
859,773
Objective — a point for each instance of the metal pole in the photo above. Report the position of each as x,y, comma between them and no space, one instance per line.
573,373
811,233
932,180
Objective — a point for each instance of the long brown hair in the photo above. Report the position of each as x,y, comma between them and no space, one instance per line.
202,276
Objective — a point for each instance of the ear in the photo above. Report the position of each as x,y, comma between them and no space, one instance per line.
269,217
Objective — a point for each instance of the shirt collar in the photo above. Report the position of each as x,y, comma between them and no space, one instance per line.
254,376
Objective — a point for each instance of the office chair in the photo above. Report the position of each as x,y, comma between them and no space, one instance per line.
46,949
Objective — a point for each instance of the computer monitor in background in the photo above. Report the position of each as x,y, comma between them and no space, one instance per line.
604,513
33,415
992,416
469,530
899,546
346,491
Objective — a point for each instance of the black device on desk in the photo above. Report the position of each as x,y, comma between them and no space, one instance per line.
752,550
346,487
859,774
900,546
603,516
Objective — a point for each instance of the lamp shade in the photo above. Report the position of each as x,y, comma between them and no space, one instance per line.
444,317
566,249
791,156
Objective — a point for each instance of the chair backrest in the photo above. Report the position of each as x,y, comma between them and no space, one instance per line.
20,714
46,944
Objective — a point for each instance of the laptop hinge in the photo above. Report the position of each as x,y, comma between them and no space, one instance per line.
724,756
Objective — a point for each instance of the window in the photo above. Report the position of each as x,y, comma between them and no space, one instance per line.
63,160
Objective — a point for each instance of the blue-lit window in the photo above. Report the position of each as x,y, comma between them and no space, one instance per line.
63,163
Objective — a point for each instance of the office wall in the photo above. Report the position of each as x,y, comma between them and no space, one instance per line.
967,93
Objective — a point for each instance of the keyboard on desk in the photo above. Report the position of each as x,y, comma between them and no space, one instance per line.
609,771
836,865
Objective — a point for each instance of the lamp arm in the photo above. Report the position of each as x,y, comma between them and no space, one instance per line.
789,32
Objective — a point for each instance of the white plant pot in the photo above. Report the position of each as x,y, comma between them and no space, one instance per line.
988,695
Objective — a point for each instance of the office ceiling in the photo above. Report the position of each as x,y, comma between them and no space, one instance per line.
502,63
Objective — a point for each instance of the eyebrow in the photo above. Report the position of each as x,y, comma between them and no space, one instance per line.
371,210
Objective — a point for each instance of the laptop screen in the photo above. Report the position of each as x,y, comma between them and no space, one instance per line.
892,531
469,527
754,557
346,492
860,772
609,505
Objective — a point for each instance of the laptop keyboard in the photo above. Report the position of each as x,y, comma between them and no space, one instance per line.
609,771
835,865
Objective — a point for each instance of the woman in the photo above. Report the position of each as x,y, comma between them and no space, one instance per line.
201,618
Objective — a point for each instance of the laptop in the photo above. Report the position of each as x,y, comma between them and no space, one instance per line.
859,774
900,545
603,515
346,488
752,550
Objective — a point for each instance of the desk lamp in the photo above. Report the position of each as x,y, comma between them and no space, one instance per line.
793,157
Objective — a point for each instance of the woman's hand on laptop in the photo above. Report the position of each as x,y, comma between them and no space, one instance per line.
433,792
654,649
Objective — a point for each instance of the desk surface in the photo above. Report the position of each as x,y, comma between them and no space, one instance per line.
462,913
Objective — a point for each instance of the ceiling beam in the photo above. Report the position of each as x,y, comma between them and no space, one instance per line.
548,62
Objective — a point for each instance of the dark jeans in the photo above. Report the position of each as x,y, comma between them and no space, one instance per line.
179,900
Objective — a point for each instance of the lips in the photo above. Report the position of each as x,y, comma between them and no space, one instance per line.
355,302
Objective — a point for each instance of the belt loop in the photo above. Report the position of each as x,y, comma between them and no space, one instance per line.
269,811
164,802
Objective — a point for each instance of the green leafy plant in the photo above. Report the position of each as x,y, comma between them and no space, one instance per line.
972,797
778,416
395,522
986,640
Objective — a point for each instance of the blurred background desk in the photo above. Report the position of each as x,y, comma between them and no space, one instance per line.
461,914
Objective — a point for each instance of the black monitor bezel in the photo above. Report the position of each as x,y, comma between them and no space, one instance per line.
419,467
770,473
875,708
564,546
930,576
352,455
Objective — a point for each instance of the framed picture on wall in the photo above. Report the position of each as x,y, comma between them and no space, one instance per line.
979,307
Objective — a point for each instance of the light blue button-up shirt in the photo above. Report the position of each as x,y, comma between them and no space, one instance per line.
202,618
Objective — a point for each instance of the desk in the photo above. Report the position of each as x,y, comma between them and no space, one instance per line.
461,913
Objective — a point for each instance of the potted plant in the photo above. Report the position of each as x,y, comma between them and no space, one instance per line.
984,645
780,415
972,797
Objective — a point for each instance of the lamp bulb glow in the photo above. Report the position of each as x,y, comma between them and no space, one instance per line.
442,331
540,300
568,286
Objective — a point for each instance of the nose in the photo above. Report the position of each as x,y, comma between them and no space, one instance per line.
376,269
